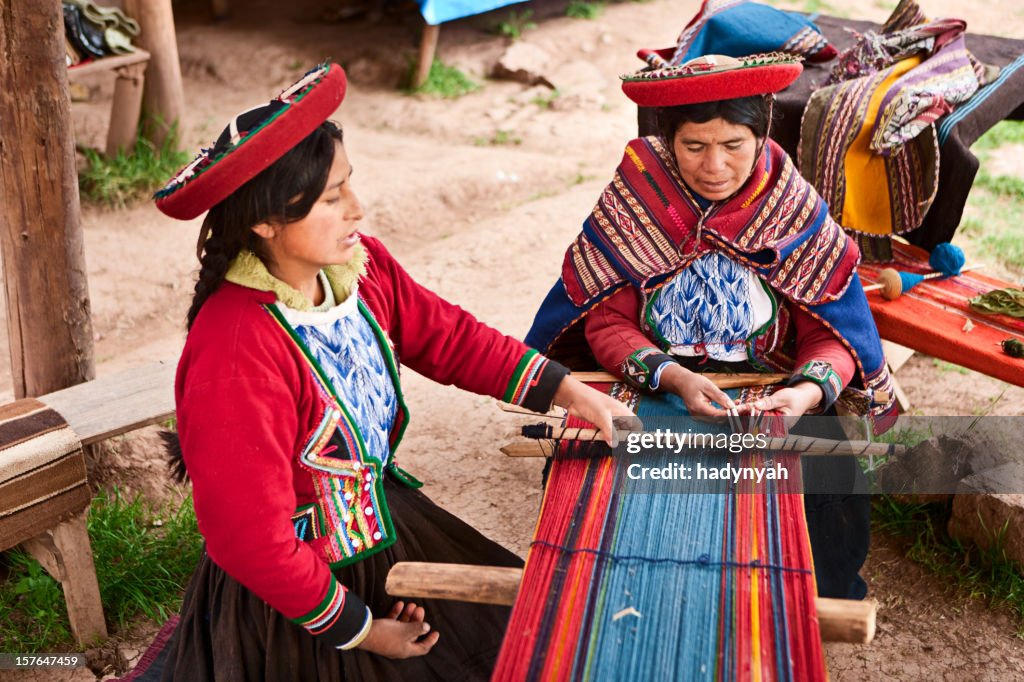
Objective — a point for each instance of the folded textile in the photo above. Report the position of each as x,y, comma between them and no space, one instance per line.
868,142
738,28
97,31
107,17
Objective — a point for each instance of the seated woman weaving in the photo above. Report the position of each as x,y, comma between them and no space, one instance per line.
709,252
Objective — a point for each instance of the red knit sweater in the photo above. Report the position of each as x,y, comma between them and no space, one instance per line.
247,402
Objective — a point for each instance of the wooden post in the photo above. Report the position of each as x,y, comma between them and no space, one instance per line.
125,109
48,314
163,101
428,46
841,620
64,551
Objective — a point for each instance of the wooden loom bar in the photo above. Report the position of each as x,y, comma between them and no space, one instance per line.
719,380
840,620
799,444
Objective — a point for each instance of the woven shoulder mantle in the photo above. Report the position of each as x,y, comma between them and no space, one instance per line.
646,222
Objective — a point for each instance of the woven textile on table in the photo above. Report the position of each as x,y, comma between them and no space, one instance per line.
42,471
933,317
868,143
624,584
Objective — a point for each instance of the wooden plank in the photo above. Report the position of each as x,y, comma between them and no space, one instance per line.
895,354
841,620
110,406
66,554
107,64
719,380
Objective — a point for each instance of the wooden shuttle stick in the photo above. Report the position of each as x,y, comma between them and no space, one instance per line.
719,380
799,444
840,620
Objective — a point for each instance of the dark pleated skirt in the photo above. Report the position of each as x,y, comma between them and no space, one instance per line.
227,633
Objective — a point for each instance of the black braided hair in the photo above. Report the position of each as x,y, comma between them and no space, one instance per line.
284,192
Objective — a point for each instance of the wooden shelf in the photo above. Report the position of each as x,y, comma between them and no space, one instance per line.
107,64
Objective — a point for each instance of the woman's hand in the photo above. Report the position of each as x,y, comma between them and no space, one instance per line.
792,401
398,635
697,391
596,407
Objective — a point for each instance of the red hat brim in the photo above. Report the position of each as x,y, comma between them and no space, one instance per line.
672,86
207,181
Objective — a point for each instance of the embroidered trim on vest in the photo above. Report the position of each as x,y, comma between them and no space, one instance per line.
349,492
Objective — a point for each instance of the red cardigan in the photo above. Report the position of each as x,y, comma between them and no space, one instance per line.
247,402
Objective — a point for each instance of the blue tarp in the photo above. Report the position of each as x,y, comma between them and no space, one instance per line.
440,11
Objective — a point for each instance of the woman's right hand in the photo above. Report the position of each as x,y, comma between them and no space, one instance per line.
398,634
606,413
696,391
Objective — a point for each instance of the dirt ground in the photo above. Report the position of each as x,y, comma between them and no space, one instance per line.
485,224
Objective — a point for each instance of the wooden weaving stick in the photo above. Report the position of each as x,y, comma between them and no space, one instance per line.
800,444
840,620
719,380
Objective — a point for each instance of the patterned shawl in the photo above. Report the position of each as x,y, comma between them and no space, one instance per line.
647,225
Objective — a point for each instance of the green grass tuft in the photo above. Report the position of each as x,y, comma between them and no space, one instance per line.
126,178
582,9
143,556
979,573
515,25
1002,133
447,82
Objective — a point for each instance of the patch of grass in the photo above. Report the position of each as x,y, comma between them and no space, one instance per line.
1002,133
143,556
515,25
547,100
993,227
1001,185
979,573
500,137
582,9
447,82
944,366
127,178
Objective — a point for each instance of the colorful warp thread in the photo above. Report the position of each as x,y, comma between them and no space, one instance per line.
665,585
936,317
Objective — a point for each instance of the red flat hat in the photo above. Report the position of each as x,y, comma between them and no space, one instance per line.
712,78
253,141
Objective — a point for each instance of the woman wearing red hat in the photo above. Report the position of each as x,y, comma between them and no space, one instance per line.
290,411
709,253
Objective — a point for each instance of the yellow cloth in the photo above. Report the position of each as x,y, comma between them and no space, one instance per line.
867,203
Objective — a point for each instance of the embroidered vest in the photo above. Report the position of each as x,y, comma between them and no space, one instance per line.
350,518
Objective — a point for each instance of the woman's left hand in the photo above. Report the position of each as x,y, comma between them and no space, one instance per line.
792,401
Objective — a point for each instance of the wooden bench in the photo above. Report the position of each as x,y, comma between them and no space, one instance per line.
126,106
44,492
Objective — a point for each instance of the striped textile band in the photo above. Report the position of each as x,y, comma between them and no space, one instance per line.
326,612
42,471
525,377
